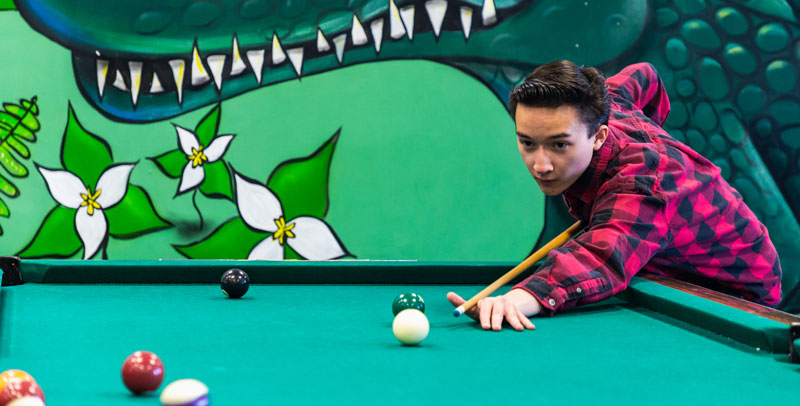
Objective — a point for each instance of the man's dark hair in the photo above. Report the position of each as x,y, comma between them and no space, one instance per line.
563,83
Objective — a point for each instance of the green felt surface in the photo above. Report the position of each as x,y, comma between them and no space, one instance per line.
333,344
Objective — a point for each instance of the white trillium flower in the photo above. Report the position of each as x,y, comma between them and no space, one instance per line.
90,221
193,173
308,236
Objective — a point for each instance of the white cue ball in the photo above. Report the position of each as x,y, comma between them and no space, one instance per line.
410,326
26,401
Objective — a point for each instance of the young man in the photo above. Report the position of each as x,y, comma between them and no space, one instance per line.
650,202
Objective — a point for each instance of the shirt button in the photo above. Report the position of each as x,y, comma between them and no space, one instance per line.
552,302
579,290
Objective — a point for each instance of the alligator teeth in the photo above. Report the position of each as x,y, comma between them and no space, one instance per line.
102,72
436,10
338,43
359,37
178,70
237,65
136,80
489,12
377,33
407,13
155,85
278,55
296,58
256,59
395,22
215,64
199,74
466,21
322,43
119,83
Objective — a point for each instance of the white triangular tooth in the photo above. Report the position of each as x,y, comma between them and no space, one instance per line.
135,69
278,56
178,67
436,11
322,43
489,12
377,33
396,28
215,64
237,64
102,73
296,58
339,43
358,36
407,13
466,21
199,73
119,82
155,85
256,59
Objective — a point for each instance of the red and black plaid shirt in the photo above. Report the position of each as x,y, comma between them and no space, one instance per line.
652,203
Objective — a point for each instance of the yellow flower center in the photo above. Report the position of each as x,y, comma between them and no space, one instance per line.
197,156
284,230
89,200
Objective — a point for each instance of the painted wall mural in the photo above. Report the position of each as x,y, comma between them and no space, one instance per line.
355,129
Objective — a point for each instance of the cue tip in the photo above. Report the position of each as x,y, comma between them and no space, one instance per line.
458,311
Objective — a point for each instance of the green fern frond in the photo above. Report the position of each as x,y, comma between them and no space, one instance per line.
18,124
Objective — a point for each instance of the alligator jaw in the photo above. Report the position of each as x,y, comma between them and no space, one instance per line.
149,88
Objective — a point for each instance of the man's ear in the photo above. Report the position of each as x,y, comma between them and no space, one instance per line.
600,137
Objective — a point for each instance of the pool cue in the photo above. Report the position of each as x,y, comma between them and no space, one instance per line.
532,259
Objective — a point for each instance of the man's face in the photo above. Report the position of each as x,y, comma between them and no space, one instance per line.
555,145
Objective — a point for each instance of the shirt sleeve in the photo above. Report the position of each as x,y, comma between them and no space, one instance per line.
640,85
626,231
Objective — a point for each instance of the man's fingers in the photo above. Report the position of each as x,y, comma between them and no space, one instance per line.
498,314
485,308
512,317
455,299
526,321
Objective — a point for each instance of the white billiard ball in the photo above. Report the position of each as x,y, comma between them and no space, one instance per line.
410,326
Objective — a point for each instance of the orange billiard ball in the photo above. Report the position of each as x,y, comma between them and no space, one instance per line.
142,372
17,384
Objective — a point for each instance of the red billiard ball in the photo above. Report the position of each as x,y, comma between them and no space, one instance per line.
16,384
142,372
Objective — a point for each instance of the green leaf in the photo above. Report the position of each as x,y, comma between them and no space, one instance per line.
83,153
171,163
302,184
20,132
134,215
207,128
8,188
4,211
10,163
19,147
30,104
7,5
217,182
56,236
24,115
232,240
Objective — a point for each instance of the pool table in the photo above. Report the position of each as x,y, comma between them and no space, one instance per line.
320,333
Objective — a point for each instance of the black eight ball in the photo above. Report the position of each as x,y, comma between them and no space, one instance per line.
235,283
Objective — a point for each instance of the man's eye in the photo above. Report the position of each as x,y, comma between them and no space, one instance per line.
561,145
526,143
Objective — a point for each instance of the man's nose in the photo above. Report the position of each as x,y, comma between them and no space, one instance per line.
541,162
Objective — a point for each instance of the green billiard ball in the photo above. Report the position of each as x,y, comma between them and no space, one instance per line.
408,301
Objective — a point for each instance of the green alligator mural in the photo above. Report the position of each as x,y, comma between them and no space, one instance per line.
150,60
729,66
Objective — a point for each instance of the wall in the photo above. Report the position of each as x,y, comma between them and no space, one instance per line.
382,131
